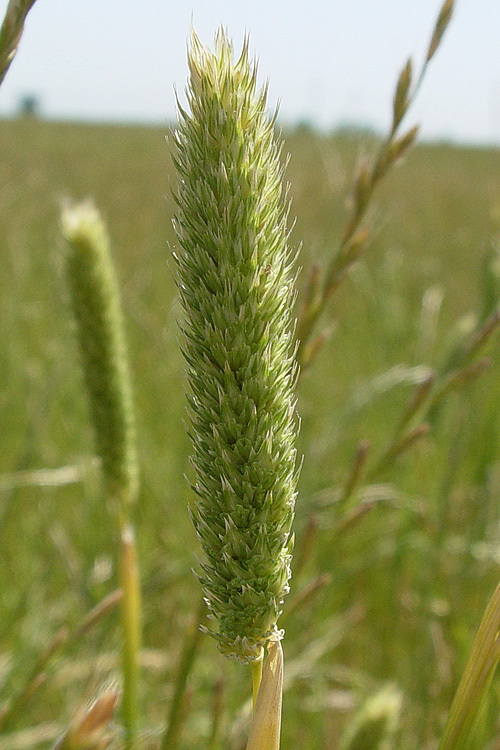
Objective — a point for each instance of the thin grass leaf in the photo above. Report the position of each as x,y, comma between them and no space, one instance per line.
476,680
189,652
63,638
34,681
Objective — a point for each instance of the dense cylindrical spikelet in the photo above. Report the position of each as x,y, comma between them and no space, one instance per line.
236,289
95,300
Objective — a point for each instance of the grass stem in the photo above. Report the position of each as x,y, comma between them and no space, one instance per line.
189,651
256,666
131,623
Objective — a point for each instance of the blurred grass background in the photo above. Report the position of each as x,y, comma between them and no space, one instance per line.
408,581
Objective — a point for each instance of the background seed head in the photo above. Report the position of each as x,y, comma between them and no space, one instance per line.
96,307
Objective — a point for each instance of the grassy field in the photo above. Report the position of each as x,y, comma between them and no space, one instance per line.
403,570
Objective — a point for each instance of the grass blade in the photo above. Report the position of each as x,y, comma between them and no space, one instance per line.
475,681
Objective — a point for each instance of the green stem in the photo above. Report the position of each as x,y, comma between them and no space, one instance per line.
189,651
131,624
256,675
36,678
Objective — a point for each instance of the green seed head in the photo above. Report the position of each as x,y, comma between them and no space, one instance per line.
236,289
95,300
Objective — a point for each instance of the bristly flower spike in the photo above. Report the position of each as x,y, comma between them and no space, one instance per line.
236,288
96,306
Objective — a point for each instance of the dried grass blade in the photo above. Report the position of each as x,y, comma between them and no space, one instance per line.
266,723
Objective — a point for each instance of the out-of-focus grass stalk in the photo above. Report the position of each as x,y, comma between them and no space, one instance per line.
41,478
490,274
214,742
96,614
96,306
356,472
33,682
376,722
475,682
189,650
38,675
461,368
369,175
416,402
400,445
462,365
305,545
89,727
131,623
305,596
11,32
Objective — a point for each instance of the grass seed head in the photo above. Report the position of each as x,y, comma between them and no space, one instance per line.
96,306
442,22
236,289
401,97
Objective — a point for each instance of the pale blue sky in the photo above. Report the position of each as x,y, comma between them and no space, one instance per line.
327,62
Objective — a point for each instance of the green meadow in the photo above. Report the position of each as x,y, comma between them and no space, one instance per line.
390,580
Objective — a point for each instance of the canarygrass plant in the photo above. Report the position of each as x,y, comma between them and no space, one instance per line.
236,289
235,281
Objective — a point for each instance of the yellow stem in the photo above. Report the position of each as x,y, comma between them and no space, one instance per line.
265,728
131,623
